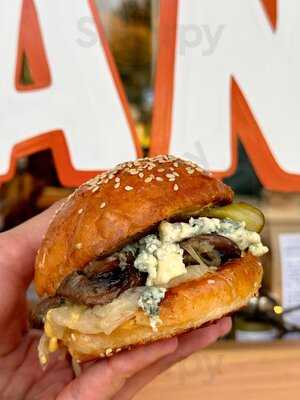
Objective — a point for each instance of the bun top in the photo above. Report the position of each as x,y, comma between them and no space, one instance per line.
119,206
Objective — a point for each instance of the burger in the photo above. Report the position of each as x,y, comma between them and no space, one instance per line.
148,250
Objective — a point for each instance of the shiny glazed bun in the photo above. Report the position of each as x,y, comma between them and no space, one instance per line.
113,208
118,208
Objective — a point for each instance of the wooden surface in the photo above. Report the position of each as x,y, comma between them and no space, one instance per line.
232,371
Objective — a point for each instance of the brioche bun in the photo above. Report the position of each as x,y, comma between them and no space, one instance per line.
117,208
185,307
112,209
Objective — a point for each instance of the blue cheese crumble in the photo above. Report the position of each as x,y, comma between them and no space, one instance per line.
149,301
236,231
162,258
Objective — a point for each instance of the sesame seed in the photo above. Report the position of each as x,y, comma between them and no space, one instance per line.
78,246
105,180
170,176
128,188
211,281
176,164
95,189
190,171
141,175
133,171
94,180
149,179
172,179
172,169
73,337
159,179
175,187
108,352
175,173
160,170
80,211
102,205
111,176
117,179
117,185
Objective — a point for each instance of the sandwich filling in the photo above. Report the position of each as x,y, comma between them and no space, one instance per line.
109,292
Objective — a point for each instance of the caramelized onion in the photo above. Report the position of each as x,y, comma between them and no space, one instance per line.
93,320
193,272
209,250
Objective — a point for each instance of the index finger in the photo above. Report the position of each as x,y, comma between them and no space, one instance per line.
104,379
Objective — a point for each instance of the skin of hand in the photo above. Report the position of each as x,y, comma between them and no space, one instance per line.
119,377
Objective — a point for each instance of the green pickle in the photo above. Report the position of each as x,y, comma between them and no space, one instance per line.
252,216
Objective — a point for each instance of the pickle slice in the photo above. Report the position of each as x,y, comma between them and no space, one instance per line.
252,216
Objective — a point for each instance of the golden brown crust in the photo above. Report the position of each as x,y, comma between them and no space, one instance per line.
111,210
185,307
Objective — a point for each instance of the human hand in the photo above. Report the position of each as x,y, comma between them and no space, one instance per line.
21,376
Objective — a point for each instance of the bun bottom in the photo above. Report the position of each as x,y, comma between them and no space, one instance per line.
185,307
